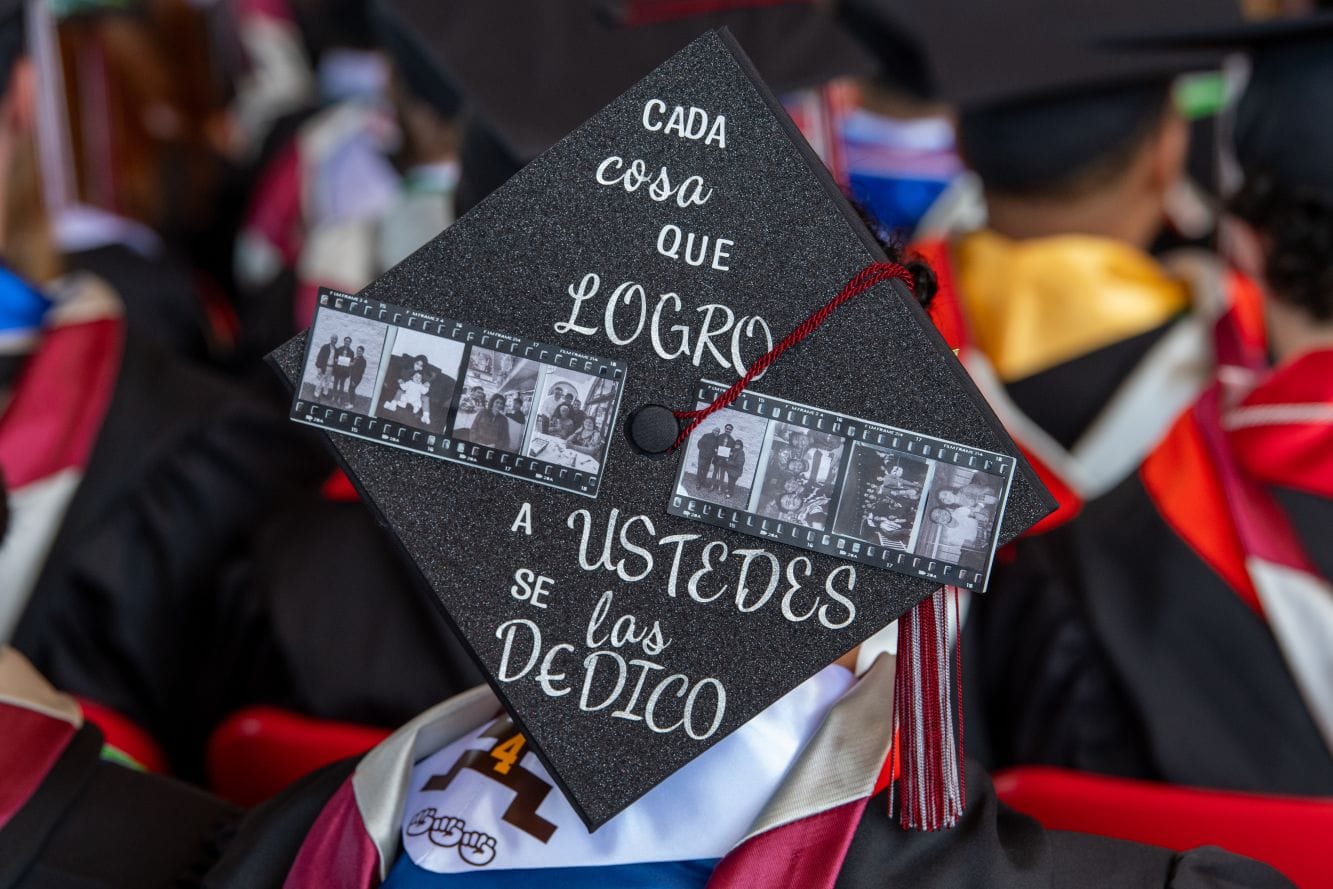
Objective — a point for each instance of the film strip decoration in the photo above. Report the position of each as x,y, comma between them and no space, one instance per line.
844,486
459,392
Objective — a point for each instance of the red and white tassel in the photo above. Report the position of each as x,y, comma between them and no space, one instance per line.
928,737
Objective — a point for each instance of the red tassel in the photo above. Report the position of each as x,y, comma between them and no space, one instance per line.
930,791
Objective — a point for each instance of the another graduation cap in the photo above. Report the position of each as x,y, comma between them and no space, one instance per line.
989,54
1040,93
1284,123
505,396
534,70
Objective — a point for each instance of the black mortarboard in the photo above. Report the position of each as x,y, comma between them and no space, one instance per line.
665,243
886,31
1006,51
1284,123
535,70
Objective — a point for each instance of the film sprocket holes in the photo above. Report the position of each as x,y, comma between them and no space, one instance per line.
459,392
845,487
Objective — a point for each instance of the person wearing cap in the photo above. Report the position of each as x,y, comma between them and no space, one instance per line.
130,473
793,793
797,796
897,144
1180,628
790,799
1085,344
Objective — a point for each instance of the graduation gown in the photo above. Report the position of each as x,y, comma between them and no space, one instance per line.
826,825
336,622
132,475
69,818
160,301
1087,349
1181,627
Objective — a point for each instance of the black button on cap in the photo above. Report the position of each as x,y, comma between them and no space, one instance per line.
652,430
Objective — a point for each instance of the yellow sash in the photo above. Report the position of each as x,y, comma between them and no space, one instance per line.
1033,304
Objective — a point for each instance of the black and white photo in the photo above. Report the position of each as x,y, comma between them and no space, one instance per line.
343,360
573,418
800,473
453,391
843,486
961,511
722,457
420,378
493,382
881,497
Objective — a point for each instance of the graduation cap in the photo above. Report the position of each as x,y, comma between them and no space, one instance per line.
1283,125
1012,51
1040,94
889,31
534,70
505,400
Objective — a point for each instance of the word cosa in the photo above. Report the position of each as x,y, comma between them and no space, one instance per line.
625,317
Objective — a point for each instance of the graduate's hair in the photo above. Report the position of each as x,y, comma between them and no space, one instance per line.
1063,145
1298,231
894,243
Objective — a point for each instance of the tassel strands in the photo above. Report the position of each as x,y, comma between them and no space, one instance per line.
929,793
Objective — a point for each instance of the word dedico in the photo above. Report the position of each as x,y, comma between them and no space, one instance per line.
675,702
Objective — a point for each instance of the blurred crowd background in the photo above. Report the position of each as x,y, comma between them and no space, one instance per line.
179,177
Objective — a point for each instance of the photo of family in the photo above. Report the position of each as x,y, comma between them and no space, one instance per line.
495,406
961,510
574,415
342,361
881,499
419,380
800,475
723,453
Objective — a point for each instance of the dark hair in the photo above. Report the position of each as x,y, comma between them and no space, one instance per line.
1063,145
894,244
491,402
1298,230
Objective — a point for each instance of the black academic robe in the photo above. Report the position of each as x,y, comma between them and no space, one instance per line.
162,302
94,824
125,609
1085,421
1139,639
337,623
71,820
